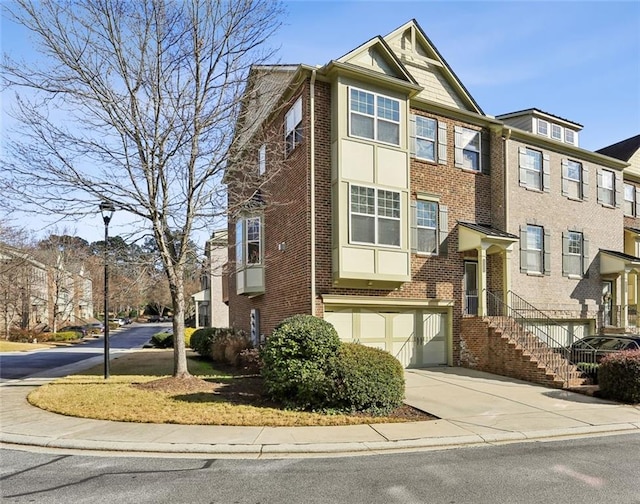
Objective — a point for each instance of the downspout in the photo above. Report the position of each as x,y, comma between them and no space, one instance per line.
312,167
506,264
506,136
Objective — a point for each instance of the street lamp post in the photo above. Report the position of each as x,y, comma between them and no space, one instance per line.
106,209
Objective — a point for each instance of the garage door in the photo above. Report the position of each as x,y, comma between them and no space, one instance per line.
417,338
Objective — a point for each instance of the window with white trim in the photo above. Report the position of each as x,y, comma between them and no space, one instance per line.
543,127
574,254
262,159
427,226
374,216
556,132
468,141
606,187
569,136
531,168
573,180
426,129
535,249
630,200
293,126
248,241
374,116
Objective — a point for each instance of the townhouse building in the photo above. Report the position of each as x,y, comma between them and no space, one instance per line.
210,307
374,192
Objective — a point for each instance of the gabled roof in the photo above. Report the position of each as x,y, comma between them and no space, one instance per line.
538,112
379,51
623,150
430,50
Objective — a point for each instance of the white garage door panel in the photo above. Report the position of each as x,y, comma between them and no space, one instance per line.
417,338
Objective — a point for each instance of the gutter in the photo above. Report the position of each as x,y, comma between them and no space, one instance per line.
312,148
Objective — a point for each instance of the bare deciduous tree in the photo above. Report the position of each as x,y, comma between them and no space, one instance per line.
135,105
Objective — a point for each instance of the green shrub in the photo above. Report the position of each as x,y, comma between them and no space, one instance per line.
212,342
619,376
297,358
63,336
367,380
162,340
590,369
201,340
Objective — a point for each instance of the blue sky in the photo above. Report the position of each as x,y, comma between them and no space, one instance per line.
578,60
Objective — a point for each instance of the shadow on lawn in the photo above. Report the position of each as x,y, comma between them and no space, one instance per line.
240,390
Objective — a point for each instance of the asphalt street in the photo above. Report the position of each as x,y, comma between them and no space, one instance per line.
17,365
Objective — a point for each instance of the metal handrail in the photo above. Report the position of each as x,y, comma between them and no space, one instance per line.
521,326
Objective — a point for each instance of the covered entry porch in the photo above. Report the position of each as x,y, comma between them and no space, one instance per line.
489,269
620,274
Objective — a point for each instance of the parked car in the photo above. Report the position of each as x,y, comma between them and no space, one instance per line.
74,328
118,321
593,349
126,320
95,327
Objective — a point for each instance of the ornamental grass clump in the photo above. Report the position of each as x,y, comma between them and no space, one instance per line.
619,376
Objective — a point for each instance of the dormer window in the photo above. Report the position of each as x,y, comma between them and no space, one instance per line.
543,127
569,136
556,132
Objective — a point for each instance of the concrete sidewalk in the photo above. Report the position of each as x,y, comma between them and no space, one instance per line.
474,408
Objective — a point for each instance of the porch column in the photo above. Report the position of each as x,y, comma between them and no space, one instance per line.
197,314
482,280
506,274
624,299
637,298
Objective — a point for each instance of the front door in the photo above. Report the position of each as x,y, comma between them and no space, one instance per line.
470,287
607,302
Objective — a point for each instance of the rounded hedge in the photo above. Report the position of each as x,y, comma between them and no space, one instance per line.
367,380
297,359
201,340
619,376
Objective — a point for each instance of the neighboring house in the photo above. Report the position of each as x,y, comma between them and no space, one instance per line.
24,291
375,193
211,310
34,295
623,307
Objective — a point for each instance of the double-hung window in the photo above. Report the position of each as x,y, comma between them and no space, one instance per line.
248,241
427,226
262,159
606,188
531,168
535,252
543,127
426,130
574,254
574,179
535,249
630,200
569,136
374,216
467,148
374,116
293,126
556,132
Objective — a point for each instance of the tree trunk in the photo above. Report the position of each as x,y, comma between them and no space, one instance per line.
176,284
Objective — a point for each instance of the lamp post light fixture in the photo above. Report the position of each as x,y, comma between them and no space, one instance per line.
106,209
